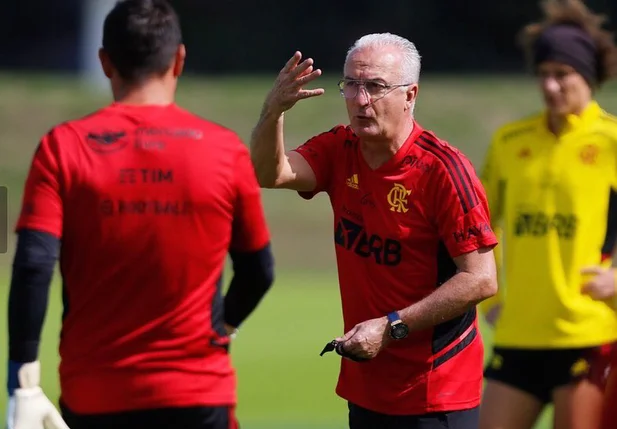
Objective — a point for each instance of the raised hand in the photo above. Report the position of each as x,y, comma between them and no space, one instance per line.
288,87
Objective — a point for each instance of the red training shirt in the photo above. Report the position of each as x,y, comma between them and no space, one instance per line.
396,230
147,201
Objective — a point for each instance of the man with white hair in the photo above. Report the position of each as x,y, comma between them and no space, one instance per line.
412,236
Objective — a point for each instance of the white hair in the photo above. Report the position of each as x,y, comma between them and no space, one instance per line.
411,57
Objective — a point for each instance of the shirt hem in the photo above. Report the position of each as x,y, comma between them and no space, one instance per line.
414,410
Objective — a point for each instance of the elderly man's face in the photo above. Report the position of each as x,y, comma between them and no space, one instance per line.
377,111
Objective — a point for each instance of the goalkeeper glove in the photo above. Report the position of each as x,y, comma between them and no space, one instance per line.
28,406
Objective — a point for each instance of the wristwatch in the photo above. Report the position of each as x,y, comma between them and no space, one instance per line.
398,330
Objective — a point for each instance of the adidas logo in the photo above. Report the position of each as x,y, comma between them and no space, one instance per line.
352,181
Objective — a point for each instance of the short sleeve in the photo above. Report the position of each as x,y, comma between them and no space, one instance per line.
320,152
42,207
459,204
249,229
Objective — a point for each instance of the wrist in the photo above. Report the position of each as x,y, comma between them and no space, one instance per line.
272,113
397,329
13,376
231,331
23,375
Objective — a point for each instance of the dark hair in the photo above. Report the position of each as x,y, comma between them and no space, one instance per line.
576,13
141,37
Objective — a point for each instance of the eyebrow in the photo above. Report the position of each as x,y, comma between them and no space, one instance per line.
374,79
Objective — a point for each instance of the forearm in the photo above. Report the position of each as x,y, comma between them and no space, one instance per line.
268,148
497,299
456,296
253,276
28,297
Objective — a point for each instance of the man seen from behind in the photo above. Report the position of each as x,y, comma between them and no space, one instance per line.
142,201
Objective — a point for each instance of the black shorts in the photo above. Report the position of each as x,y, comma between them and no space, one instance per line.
361,418
540,372
158,418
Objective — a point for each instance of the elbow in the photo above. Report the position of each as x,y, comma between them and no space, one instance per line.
266,181
270,180
264,276
266,176
487,287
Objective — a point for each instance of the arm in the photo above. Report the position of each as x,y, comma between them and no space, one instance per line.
474,282
250,251
600,281
253,277
33,266
39,230
274,167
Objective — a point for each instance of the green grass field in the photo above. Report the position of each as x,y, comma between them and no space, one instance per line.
282,380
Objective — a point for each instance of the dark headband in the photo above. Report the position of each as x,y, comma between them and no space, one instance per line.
568,44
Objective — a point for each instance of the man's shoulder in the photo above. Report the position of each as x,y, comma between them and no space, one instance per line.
85,127
341,134
440,150
216,135
188,117
518,129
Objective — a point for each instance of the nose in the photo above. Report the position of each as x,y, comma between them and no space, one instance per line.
362,97
550,85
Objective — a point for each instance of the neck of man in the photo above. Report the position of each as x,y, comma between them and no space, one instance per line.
557,122
378,151
151,92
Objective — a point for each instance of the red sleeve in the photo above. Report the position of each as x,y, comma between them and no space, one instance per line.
319,152
459,204
42,202
249,231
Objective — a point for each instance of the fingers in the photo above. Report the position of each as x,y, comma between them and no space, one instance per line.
304,67
292,62
288,89
595,291
308,76
592,270
309,93
348,335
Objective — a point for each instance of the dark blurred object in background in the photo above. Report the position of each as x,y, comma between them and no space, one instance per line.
240,36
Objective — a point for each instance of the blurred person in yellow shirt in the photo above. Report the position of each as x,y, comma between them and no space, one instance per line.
551,182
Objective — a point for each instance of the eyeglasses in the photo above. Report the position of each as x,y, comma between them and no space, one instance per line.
349,88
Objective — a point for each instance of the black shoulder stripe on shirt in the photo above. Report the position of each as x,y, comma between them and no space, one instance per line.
456,169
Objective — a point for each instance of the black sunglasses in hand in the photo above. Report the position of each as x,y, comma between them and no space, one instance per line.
338,347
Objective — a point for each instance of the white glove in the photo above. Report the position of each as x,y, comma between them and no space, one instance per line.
28,407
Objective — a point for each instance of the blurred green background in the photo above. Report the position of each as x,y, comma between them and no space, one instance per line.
283,383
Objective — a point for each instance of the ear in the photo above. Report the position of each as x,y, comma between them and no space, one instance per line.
179,61
412,95
412,92
106,64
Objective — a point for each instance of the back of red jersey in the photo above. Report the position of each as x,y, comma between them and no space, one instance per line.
147,201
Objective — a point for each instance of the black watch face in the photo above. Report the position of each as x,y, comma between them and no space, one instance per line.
399,331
